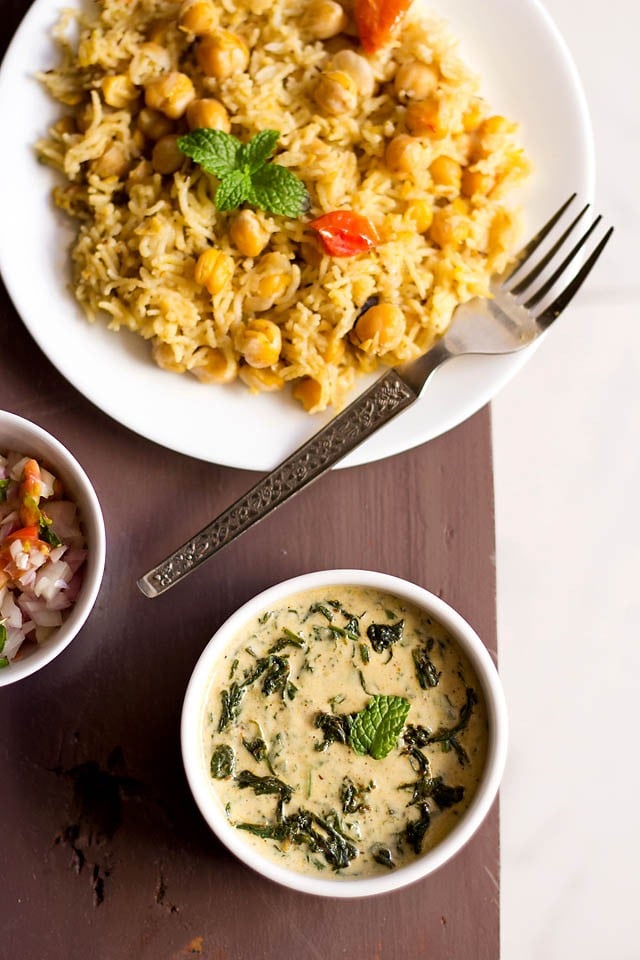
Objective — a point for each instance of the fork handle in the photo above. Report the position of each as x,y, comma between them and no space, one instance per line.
366,414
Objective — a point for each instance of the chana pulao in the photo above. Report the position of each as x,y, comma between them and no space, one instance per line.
403,169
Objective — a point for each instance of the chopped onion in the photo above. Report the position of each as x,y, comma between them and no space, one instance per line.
51,578
10,611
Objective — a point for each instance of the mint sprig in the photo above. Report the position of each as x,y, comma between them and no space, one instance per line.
245,171
375,730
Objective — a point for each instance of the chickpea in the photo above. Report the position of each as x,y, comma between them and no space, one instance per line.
160,32
118,91
138,139
167,157
336,93
271,278
261,343
500,233
357,67
415,80
461,206
404,154
475,183
148,62
495,125
421,212
261,381
446,172
222,54
248,234
311,253
154,124
214,270
324,19
64,125
309,392
171,94
424,119
142,171
84,117
380,329
472,117
114,162
450,228
488,131
208,113
166,356
273,285
198,17
213,365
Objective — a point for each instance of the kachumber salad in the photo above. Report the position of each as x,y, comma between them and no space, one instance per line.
278,192
42,553
344,732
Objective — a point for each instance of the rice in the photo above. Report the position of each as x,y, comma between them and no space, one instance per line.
141,232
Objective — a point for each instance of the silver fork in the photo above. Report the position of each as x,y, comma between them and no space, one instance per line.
507,322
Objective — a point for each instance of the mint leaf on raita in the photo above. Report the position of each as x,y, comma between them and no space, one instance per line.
375,730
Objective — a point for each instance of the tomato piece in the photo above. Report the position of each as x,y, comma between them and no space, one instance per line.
375,19
344,233
24,533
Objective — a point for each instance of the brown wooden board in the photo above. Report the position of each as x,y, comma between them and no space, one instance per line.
103,854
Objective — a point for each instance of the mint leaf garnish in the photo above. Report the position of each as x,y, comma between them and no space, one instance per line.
245,172
233,190
375,730
215,151
276,189
3,489
3,636
257,151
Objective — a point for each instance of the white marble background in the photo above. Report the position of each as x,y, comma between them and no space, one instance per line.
567,475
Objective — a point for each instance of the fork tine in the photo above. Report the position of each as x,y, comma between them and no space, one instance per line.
555,276
533,275
553,311
534,243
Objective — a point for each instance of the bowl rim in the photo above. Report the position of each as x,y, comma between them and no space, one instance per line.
482,663
59,457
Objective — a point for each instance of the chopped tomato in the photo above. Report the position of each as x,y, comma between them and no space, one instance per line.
24,533
344,233
31,484
30,490
375,19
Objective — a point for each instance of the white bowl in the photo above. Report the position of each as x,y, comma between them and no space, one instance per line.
198,774
19,434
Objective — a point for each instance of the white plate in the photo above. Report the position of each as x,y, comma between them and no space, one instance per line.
527,74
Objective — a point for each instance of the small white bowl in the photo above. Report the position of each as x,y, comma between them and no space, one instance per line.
19,434
198,774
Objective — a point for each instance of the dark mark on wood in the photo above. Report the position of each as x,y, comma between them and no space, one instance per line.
161,895
97,882
97,815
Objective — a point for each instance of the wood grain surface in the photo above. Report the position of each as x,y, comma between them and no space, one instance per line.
103,854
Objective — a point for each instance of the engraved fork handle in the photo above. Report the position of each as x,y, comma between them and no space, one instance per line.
368,412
